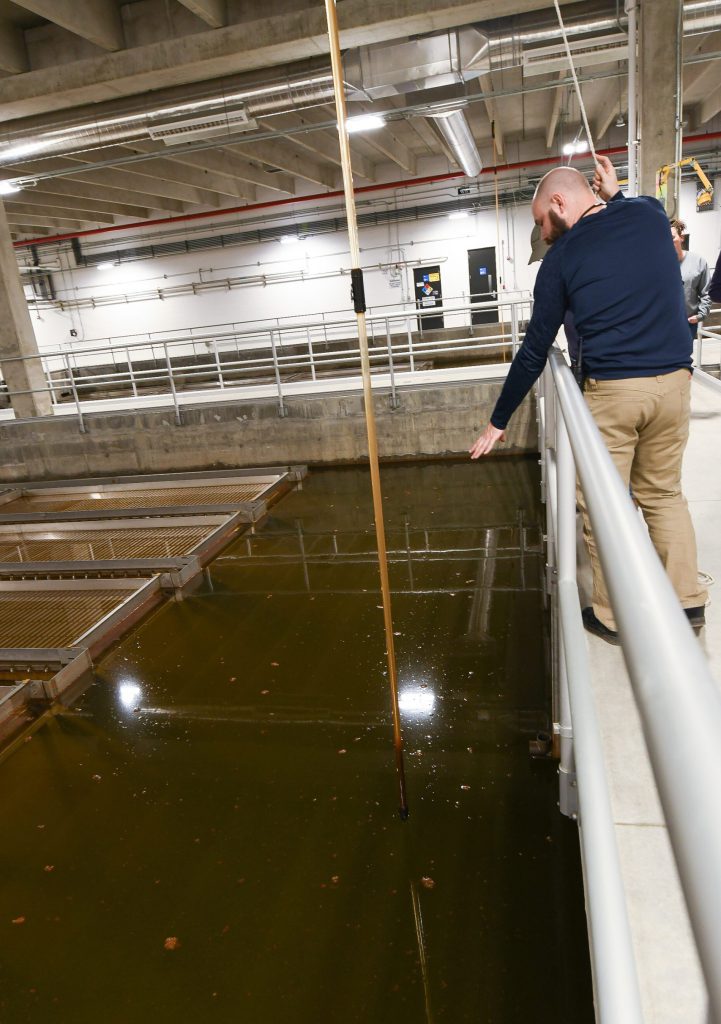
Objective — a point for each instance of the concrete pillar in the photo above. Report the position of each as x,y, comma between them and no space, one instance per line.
659,79
17,337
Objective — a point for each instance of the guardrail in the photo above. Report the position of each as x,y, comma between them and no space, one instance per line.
708,342
677,698
217,362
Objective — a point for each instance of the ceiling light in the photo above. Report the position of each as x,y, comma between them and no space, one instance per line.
458,215
8,187
620,122
364,123
575,147
289,239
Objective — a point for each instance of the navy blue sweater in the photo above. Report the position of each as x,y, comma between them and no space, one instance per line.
618,273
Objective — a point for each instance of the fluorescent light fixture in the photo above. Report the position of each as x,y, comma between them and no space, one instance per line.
581,146
458,215
289,239
106,265
364,123
8,187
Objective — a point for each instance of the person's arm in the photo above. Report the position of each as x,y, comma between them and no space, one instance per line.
704,299
549,307
714,289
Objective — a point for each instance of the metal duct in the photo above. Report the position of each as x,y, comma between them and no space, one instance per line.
225,114
410,65
456,131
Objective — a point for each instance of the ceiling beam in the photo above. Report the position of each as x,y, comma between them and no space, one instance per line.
259,44
320,142
386,141
212,12
232,168
106,185
21,211
189,184
709,106
13,53
287,158
98,21
36,197
555,113
693,74
485,85
29,224
612,101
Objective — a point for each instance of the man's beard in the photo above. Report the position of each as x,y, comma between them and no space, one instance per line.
560,227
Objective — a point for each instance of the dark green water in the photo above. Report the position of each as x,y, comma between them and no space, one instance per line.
228,781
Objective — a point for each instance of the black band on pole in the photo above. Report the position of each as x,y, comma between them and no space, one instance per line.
357,290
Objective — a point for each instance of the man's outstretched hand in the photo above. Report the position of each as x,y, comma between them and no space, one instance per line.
605,181
487,441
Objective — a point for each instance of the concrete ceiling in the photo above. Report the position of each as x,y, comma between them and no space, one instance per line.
73,61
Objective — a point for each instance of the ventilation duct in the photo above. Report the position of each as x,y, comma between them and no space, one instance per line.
400,67
456,132
226,114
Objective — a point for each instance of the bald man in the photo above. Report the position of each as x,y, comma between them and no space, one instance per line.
613,265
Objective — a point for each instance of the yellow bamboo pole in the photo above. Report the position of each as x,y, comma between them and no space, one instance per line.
359,305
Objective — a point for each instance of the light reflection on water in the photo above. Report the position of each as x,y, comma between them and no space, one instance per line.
230,786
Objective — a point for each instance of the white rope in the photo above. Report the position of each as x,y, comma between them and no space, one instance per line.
575,81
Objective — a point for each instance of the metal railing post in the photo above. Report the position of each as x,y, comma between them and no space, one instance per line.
310,353
75,394
395,401
219,368
410,345
514,328
172,383
130,373
566,554
282,411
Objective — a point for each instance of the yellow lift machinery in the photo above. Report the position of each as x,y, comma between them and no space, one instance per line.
704,195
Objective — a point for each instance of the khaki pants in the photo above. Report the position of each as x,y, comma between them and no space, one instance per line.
644,424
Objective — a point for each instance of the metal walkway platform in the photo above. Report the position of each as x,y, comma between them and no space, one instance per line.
82,561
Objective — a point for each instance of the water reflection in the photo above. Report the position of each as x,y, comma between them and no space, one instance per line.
129,694
249,811
416,700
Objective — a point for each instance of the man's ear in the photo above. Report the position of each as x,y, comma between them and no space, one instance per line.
559,200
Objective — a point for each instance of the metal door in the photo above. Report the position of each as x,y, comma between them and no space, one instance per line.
483,283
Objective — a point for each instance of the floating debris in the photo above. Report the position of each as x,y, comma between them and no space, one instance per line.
172,942
427,882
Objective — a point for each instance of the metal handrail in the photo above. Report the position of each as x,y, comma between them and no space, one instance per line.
676,695
299,321
194,364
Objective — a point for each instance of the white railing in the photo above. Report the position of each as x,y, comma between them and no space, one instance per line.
218,362
677,698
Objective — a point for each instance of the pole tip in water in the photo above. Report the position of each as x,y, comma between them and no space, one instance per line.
403,812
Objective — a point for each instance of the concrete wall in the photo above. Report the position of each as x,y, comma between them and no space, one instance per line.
313,265
430,421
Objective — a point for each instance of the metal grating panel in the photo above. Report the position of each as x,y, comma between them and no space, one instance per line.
130,498
87,545
53,619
